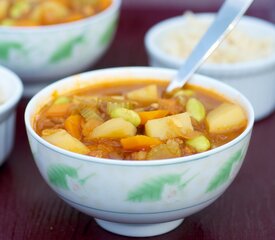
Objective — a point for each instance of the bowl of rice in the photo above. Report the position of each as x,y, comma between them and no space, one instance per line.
11,90
244,60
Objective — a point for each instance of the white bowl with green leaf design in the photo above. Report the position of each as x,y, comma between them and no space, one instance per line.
137,198
46,53
11,89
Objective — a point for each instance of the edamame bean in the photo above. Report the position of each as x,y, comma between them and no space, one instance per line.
186,93
126,114
196,109
200,143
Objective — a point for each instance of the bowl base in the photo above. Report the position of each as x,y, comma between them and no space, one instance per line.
139,230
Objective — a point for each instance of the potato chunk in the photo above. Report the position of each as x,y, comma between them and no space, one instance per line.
114,128
169,127
147,94
61,138
226,117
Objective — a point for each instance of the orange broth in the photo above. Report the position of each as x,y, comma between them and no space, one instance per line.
97,100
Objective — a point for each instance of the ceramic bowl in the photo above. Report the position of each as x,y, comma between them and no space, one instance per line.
255,79
137,198
46,53
11,90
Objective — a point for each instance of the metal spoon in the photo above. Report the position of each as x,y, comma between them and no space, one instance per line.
228,16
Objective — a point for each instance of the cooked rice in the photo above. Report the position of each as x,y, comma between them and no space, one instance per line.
238,46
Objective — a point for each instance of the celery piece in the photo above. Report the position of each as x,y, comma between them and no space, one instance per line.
62,100
19,8
90,113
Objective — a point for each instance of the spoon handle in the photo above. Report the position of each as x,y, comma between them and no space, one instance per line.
227,17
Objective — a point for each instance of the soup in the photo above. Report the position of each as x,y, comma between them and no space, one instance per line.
48,12
136,120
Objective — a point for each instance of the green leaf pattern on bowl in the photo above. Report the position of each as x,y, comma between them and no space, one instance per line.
153,189
66,49
7,47
59,174
225,171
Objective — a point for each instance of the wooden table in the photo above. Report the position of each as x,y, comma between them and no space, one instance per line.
29,209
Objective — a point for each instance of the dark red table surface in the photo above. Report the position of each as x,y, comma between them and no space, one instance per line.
29,209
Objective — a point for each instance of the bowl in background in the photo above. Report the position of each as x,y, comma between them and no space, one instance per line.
11,90
137,198
40,55
254,78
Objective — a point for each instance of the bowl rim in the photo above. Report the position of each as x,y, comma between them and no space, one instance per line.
163,26
17,93
34,102
115,5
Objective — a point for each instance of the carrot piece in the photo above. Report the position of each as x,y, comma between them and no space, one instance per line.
139,142
149,115
73,125
58,110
